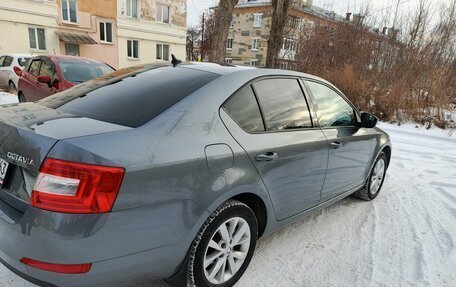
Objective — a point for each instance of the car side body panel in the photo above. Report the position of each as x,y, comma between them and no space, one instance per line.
167,193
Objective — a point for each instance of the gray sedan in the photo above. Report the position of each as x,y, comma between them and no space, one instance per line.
174,171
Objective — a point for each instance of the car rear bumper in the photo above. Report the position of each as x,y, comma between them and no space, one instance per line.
120,249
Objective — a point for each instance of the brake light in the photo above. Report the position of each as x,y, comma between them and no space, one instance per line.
57,268
71,187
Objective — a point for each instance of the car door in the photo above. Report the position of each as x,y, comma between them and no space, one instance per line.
350,146
3,73
29,84
289,153
47,69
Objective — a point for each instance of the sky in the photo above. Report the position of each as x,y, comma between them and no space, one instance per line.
384,10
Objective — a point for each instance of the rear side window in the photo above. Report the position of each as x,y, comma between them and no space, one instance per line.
134,100
34,68
243,108
283,104
333,110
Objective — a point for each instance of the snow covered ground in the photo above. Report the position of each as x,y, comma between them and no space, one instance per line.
405,237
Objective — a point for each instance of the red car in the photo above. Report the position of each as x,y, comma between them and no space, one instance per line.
47,75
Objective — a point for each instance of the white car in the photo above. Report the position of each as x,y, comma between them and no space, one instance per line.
8,78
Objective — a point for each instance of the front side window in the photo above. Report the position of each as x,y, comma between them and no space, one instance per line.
132,8
22,61
333,110
257,20
162,52
106,32
47,69
243,108
133,49
283,104
34,68
69,11
37,38
162,13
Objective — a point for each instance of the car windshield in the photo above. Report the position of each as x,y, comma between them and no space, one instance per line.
22,61
82,71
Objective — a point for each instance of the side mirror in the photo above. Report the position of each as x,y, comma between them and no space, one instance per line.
45,80
368,120
17,71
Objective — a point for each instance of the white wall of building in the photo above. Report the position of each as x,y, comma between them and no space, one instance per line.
17,16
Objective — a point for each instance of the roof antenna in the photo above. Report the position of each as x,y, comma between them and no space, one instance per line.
175,61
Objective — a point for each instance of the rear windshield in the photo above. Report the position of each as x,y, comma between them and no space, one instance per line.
80,72
133,100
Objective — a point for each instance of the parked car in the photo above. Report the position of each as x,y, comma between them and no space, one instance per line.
170,172
8,77
47,75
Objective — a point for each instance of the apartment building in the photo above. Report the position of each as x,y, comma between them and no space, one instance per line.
28,26
121,33
251,23
151,30
87,28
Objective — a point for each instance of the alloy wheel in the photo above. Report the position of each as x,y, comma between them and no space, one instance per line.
377,176
227,250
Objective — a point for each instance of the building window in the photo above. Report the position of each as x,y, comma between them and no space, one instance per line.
106,32
229,60
69,11
289,44
255,44
162,13
257,20
162,52
72,50
284,65
133,49
132,8
37,38
254,62
232,24
229,43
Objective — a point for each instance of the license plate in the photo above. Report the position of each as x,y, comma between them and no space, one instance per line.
3,170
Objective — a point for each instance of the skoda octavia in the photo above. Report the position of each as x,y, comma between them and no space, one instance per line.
174,171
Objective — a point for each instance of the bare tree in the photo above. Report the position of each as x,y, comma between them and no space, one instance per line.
193,36
280,12
219,35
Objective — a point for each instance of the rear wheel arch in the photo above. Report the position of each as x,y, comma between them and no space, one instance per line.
258,207
387,151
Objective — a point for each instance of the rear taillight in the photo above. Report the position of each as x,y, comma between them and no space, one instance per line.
58,268
71,187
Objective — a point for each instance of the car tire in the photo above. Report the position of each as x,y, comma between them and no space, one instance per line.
210,250
12,88
375,179
21,98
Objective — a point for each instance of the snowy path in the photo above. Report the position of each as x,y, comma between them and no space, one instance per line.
406,237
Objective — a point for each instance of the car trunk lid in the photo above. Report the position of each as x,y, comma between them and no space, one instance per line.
27,133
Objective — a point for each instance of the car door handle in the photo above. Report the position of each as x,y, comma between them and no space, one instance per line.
266,156
335,145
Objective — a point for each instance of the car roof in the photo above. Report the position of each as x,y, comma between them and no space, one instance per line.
224,69
17,55
58,58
